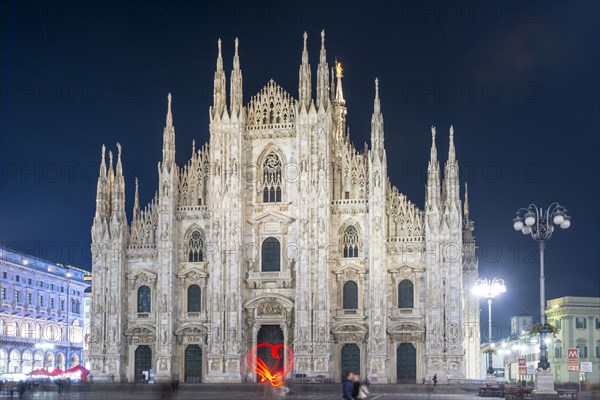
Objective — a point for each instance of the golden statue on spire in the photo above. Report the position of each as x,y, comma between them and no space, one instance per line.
338,69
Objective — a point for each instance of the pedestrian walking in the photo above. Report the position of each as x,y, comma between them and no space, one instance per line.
347,385
434,380
175,385
363,390
355,386
21,389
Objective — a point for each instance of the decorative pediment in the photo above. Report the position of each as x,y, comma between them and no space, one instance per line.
271,217
140,330
350,271
405,270
142,277
269,301
350,333
191,329
406,332
193,274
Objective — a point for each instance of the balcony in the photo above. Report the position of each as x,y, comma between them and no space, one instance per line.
272,280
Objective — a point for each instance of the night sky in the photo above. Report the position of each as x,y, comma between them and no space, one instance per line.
518,80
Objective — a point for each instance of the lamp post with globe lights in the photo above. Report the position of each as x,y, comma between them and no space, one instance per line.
540,224
489,289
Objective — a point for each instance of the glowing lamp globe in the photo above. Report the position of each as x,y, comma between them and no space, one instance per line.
526,230
530,220
518,225
558,219
565,224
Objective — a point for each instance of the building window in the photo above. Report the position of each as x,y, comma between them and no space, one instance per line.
271,255
272,179
580,322
52,302
29,298
350,243
598,351
4,275
62,289
582,350
17,296
597,323
144,299
62,305
3,293
18,278
557,350
52,286
557,323
350,295
406,294
193,298
41,301
196,247
29,281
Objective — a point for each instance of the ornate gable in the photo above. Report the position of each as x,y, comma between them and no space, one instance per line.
271,108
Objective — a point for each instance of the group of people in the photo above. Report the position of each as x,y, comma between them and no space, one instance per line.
11,386
64,385
353,388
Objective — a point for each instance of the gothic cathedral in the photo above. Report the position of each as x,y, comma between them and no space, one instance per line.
278,230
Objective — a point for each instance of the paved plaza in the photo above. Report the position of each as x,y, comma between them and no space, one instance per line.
240,391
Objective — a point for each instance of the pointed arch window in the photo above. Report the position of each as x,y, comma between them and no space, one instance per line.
350,300
193,298
271,255
272,179
144,299
196,247
406,294
350,242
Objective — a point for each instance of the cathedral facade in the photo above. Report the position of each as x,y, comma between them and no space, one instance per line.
279,231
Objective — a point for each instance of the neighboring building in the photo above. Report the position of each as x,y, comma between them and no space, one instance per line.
87,312
520,324
41,313
578,321
516,347
278,230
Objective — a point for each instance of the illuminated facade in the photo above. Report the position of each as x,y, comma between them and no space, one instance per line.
278,230
40,307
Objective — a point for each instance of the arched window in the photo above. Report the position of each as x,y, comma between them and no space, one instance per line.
406,297
144,299
271,255
350,242
196,247
193,298
272,179
350,295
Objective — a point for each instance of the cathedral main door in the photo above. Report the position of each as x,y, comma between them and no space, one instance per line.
268,334
406,363
350,358
143,361
193,364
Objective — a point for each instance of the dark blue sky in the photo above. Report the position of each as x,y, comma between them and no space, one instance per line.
519,82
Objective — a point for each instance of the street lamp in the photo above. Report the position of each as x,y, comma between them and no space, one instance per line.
489,289
540,224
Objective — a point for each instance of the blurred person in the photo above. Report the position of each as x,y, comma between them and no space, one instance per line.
347,385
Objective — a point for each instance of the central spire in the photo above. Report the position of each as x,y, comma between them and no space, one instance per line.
304,86
219,94
236,99
339,92
377,124
322,76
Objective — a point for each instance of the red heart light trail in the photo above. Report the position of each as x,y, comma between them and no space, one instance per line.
274,374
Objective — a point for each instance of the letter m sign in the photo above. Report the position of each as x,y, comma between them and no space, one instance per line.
573,354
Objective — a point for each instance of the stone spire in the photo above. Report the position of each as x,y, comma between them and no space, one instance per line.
339,92
304,86
322,76
111,182
451,190
466,203
219,89
168,151
377,124
432,199
101,192
236,97
136,203
118,191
